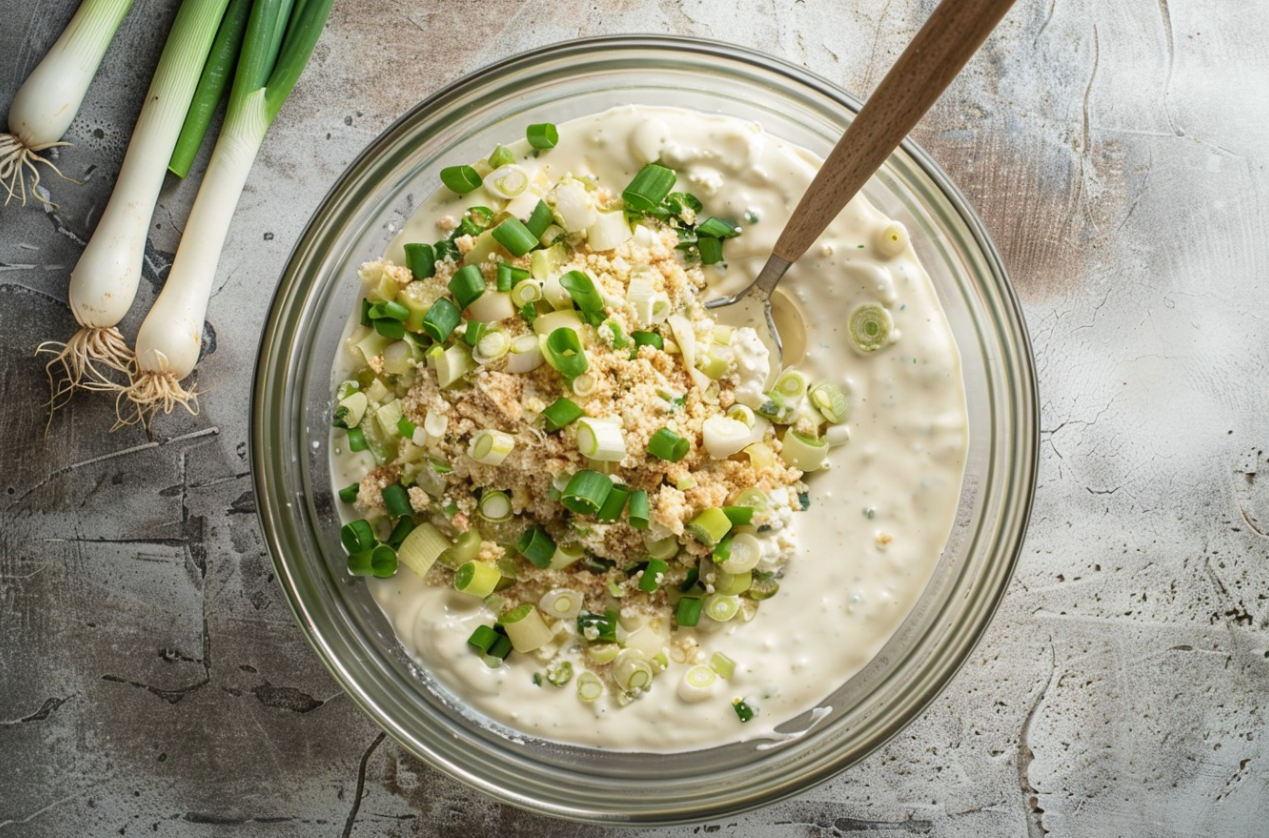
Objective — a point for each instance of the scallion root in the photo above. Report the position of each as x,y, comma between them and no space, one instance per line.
85,362
16,159
150,392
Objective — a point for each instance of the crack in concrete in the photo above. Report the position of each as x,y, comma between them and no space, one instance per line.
361,785
171,696
46,709
1030,795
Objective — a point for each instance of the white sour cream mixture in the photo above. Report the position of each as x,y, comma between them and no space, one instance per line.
878,518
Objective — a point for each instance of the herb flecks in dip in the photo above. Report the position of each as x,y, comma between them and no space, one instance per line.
585,498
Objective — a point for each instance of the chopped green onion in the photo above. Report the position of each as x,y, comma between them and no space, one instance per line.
526,629
710,248
542,135
776,408
348,494
389,309
539,220
383,561
562,412
499,651
526,293
732,584
421,547
466,285
441,319
739,515
589,687
637,512
466,548
619,339
477,578
755,498
710,526
491,346
586,492
743,711
397,500
501,156
452,364
744,554
561,603
390,328
631,670
509,275
688,612
587,298
667,445
490,447
562,349
600,439
460,179
721,607
661,548
536,546
649,188
613,504
791,384
830,401
804,452
421,260
650,580
474,332
717,228
598,628
357,536
723,665
483,638
357,440
559,673
360,564
648,339
870,327
494,506
763,586
406,427
697,684
515,237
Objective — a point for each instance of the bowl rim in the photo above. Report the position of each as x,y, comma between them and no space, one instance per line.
275,526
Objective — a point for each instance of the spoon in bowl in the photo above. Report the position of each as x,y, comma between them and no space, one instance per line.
935,56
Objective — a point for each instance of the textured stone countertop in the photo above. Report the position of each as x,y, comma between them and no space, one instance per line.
153,681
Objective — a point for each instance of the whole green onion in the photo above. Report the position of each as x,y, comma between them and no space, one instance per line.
421,260
542,135
467,285
460,179
669,446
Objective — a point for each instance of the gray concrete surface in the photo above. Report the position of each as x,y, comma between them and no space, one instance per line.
152,680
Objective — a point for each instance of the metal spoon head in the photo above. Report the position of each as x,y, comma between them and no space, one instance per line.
759,293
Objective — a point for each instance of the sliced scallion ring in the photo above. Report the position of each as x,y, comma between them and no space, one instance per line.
561,603
586,492
870,327
490,447
494,506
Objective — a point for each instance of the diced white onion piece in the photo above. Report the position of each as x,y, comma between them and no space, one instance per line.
640,293
574,208
377,392
660,308
507,181
523,205
601,439
454,363
837,435
746,551
643,236
529,632
741,413
435,423
609,230
724,437
421,548
492,306
697,684
372,345
555,293
490,447
804,452
491,346
561,603
544,324
389,416
526,354
686,339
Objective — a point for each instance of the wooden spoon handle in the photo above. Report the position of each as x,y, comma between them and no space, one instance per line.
937,53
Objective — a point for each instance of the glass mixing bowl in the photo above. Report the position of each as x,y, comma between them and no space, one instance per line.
291,416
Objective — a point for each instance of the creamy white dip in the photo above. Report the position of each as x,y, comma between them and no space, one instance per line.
878,518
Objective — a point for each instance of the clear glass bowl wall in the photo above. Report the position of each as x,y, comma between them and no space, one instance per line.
292,400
